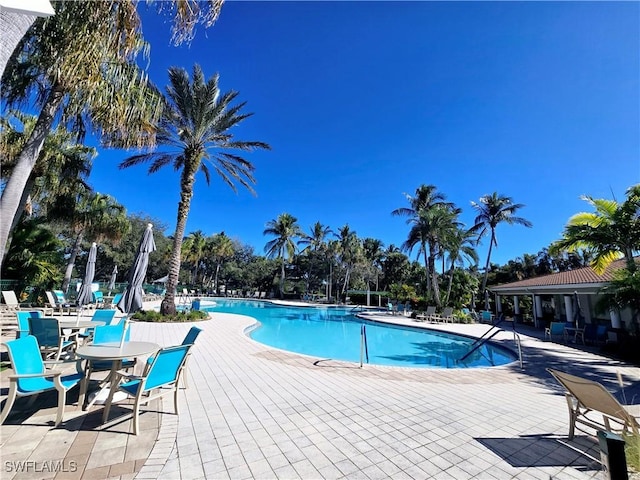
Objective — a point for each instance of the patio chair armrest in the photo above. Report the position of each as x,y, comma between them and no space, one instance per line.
55,363
35,375
128,376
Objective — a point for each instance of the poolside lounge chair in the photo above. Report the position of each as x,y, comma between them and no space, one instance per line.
161,377
431,310
62,304
31,377
555,328
11,301
587,400
446,316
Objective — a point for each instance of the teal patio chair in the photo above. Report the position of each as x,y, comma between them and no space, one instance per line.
161,377
189,339
49,336
105,316
23,322
554,329
116,299
486,316
31,377
62,303
106,334
98,299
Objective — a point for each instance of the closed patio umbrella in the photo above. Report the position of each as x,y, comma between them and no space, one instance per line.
85,295
577,312
131,300
112,280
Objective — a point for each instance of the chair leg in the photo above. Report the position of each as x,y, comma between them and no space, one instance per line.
175,397
107,405
136,411
62,398
11,398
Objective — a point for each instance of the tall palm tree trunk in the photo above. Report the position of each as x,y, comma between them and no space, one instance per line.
22,205
434,281
426,266
13,25
12,193
215,283
168,305
486,267
72,261
446,298
282,279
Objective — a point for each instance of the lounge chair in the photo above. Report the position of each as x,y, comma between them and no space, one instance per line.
11,301
587,400
446,316
555,328
431,311
62,304
30,376
161,377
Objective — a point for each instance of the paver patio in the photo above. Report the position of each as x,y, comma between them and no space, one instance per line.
255,412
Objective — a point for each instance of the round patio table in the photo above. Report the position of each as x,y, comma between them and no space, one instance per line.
79,325
114,352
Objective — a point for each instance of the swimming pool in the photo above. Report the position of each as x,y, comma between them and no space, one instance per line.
335,333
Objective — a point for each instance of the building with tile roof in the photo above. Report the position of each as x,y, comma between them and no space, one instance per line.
559,292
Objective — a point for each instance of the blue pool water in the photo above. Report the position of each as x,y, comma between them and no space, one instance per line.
335,333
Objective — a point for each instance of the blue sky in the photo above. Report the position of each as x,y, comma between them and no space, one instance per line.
364,101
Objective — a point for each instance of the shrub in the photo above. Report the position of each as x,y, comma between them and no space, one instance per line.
632,451
153,316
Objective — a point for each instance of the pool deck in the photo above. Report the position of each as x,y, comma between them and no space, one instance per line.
251,411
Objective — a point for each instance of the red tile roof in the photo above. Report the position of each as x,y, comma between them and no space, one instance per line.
581,276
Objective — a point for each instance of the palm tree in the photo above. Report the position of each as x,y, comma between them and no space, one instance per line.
195,244
315,242
372,249
420,209
350,249
220,247
285,229
81,63
62,167
96,217
460,247
493,210
611,232
195,126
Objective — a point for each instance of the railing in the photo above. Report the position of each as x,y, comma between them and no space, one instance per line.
486,337
364,349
